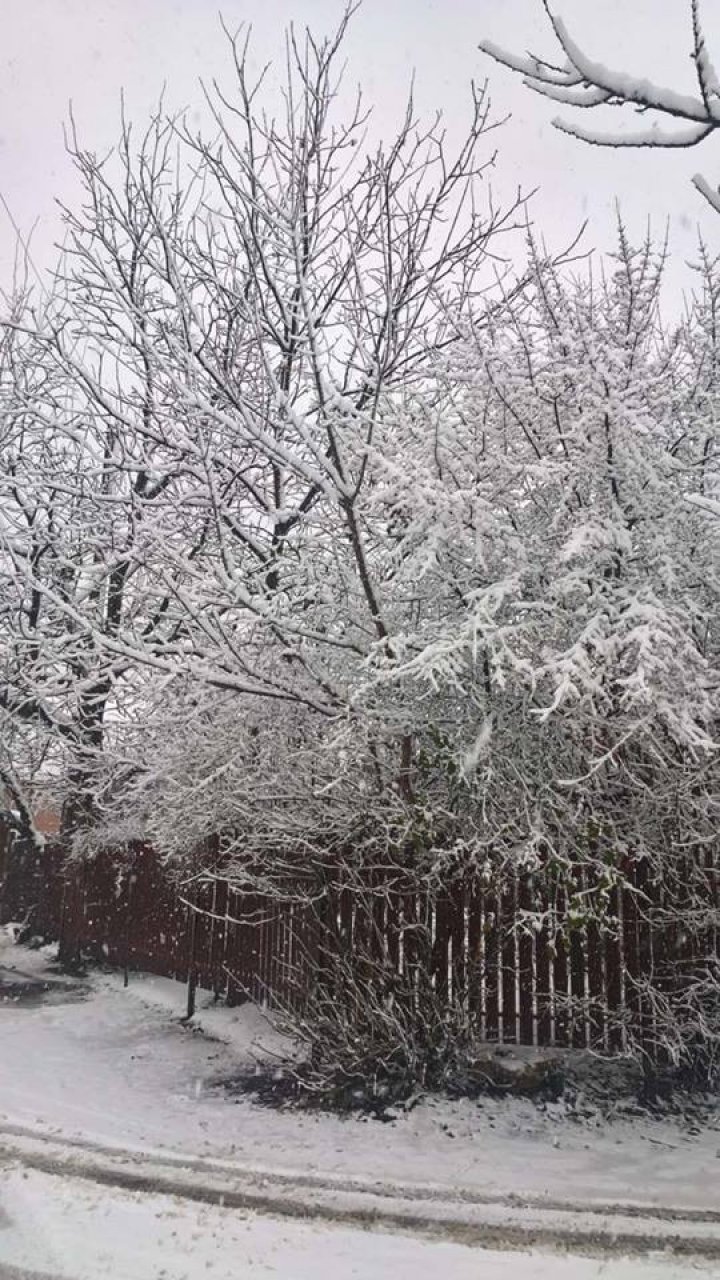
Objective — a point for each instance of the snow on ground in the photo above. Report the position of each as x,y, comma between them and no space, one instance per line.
119,1068
69,1228
244,1029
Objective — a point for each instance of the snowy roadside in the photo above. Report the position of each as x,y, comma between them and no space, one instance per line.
509,1222
119,1070
70,1228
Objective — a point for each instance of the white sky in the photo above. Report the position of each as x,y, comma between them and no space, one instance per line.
54,51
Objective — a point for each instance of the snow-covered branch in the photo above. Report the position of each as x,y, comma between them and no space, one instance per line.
585,83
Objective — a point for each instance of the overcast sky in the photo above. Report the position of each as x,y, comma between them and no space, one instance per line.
87,51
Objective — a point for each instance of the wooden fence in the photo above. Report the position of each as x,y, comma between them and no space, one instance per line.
501,950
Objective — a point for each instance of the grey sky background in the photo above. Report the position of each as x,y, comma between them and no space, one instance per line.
87,51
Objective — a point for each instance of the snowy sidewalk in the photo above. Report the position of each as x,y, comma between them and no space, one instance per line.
115,1087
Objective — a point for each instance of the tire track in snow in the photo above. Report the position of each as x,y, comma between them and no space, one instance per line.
505,1222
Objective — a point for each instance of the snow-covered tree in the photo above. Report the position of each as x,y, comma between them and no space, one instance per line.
237,327
535,523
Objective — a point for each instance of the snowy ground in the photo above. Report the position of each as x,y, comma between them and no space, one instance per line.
118,1069
76,1230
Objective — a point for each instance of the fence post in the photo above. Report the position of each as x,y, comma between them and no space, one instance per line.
128,925
192,974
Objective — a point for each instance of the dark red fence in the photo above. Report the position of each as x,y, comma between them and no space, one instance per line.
530,957
30,882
